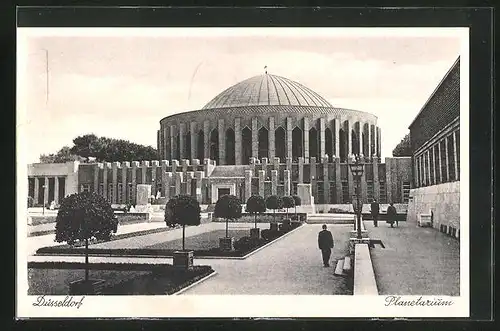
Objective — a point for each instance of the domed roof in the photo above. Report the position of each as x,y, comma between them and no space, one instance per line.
267,90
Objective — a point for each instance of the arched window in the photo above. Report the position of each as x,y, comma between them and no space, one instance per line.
201,146
279,142
342,145
246,145
354,142
263,142
214,145
178,147
230,146
187,146
296,143
313,143
328,143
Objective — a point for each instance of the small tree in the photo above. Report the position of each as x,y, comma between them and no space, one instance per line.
274,202
229,208
182,210
82,216
256,205
288,202
297,202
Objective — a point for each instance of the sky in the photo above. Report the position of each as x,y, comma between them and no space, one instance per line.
120,84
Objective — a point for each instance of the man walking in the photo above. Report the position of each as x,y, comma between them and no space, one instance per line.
392,215
375,211
325,243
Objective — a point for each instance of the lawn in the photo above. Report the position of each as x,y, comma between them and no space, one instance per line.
203,241
118,282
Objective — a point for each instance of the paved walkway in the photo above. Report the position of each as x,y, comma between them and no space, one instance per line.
415,261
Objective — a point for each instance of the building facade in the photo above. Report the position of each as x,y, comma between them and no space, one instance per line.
435,141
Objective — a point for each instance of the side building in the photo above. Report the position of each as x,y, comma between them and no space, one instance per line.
435,142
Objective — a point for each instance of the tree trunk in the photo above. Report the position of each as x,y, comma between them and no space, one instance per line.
86,260
183,237
256,220
296,218
226,228
274,215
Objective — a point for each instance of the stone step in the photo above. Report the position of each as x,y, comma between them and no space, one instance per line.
347,265
339,269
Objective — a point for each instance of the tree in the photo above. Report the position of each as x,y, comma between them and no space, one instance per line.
229,208
256,205
288,202
274,202
82,216
403,148
297,202
182,210
63,155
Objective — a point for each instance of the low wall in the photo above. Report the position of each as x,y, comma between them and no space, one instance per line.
443,200
401,208
364,277
264,218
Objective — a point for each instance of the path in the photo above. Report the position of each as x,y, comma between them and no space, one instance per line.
291,266
415,261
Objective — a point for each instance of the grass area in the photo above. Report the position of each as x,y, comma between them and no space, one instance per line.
203,245
118,282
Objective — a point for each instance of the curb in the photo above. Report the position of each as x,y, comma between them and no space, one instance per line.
195,283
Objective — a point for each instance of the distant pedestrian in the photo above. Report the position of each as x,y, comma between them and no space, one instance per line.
375,209
325,243
392,215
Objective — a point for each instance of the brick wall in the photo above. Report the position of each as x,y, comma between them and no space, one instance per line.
441,109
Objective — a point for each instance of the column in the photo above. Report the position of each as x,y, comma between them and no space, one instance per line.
264,163
178,183
222,142
56,189
262,178
349,138
288,163
194,140
429,167
375,139
337,137
271,142
46,190
439,161
248,184
199,175
114,174
189,178
288,137
322,128
369,151
274,182
167,185
164,165
255,138
376,183
326,181
154,182
306,139
447,159
184,165
37,190
144,169
338,180
125,166
287,183
105,180
360,137
175,166
133,191
434,165
166,139
276,163
301,171
237,141
206,142
379,138
314,178
455,154
182,140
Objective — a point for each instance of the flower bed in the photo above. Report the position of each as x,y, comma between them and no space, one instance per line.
53,278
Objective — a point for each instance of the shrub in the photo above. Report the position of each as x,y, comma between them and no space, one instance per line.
229,208
246,243
83,216
274,202
288,202
182,210
256,205
269,234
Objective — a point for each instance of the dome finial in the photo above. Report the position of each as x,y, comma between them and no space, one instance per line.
265,69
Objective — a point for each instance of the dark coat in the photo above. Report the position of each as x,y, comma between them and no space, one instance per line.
375,208
391,213
325,239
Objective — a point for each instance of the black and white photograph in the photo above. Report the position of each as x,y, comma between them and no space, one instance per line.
225,172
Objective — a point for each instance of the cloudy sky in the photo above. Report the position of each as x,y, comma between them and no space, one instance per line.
120,84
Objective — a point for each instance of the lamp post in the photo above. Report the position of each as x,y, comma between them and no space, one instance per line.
357,168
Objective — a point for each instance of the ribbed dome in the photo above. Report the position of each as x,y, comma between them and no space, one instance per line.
267,90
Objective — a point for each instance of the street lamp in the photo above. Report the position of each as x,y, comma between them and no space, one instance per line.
357,168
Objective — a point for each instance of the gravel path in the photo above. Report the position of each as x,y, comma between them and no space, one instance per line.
415,261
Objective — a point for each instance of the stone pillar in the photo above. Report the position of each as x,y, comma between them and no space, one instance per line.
125,166
199,175
265,163
154,180
175,166
322,128
237,141
97,167
222,142
56,189
274,182
206,139
133,192
287,182
167,183
338,180
455,154
314,176
337,137
369,151
301,170
106,166
255,138
144,169
379,139
440,165
37,190
326,181
194,140
360,137
248,184
272,143
173,142
262,178
376,183
349,138
178,182
306,138
189,178
46,190
288,137
114,168
276,163
164,165
434,165
288,163
185,165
